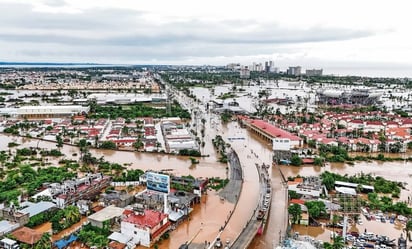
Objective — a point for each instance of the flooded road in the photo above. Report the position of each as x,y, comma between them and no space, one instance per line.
213,212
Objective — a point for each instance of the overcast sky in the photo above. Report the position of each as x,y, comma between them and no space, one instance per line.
343,34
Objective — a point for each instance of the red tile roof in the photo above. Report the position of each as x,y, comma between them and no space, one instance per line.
273,131
27,235
374,123
308,160
297,201
150,218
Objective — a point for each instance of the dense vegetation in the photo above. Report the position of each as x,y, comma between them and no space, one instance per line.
217,183
316,209
65,218
129,175
95,236
41,218
333,153
187,152
385,204
220,145
24,178
380,184
137,110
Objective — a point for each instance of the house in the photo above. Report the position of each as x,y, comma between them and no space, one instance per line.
117,198
108,214
144,227
198,185
310,186
180,203
356,124
373,126
27,235
36,208
84,188
120,241
304,216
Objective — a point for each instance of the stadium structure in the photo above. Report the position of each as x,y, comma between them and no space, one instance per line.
348,97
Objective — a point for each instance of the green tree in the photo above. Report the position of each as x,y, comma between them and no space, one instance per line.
108,145
83,147
72,214
338,243
316,208
44,242
296,211
296,160
318,161
138,144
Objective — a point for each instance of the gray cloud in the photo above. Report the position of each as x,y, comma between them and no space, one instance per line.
128,35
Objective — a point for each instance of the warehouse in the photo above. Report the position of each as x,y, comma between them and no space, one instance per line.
35,112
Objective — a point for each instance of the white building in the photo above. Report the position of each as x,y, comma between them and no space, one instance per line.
145,228
175,146
314,72
296,71
50,111
244,73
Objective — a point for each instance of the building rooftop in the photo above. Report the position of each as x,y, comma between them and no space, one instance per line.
37,208
273,131
7,226
120,237
27,235
107,213
56,107
149,218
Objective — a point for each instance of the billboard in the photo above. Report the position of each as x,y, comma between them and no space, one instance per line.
158,182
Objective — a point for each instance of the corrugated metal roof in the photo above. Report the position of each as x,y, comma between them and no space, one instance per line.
37,208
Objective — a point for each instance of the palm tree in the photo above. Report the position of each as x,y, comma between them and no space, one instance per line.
72,214
44,242
338,243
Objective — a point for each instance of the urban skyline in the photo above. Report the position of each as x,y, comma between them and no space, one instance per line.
312,34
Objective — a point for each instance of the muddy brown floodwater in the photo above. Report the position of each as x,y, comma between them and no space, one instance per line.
396,171
251,150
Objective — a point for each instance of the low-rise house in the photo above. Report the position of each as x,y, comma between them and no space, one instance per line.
180,204
310,187
304,216
120,241
144,227
71,191
27,235
117,198
107,214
